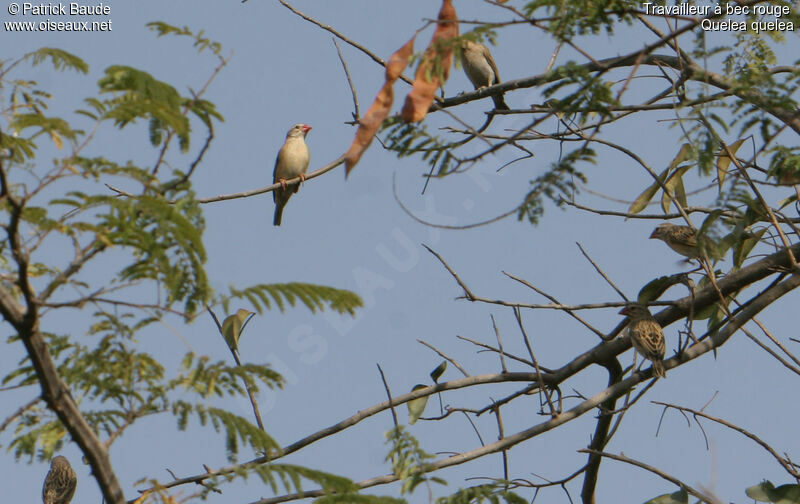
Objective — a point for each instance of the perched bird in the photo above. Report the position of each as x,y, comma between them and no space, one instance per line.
292,162
646,336
683,240
60,482
480,69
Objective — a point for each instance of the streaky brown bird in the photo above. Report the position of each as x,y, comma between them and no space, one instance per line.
647,337
684,240
60,482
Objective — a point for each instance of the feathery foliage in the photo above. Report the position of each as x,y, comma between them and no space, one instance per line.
314,297
61,216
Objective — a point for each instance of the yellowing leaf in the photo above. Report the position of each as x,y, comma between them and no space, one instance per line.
684,154
416,406
641,201
56,138
787,201
674,186
232,327
761,492
723,161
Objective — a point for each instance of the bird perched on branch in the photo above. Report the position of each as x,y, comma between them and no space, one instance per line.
480,69
646,336
60,482
292,162
684,240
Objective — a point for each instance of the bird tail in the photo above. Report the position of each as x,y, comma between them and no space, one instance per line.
658,369
499,102
278,214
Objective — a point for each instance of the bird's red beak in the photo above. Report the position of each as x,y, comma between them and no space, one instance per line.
306,128
624,311
654,234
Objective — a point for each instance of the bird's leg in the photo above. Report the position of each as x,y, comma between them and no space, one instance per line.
302,178
282,182
634,367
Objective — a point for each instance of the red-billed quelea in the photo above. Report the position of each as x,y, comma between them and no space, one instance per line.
683,240
292,162
60,482
480,69
646,336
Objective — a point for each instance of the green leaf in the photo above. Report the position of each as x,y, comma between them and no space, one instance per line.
408,459
237,429
712,311
787,494
684,154
761,492
704,242
674,186
352,498
641,201
705,313
61,59
654,288
490,492
200,42
724,161
766,492
232,327
787,201
140,96
679,497
743,248
314,297
416,406
436,373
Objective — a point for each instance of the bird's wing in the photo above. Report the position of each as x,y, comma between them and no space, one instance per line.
277,163
492,64
686,236
653,337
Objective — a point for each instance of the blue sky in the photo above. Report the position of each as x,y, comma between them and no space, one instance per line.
352,234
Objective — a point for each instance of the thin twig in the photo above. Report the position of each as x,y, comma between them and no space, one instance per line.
247,386
500,436
325,27
389,395
621,458
499,345
554,300
493,349
602,274
553,411
296,180
786,466
443,356
356,113
22,409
